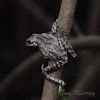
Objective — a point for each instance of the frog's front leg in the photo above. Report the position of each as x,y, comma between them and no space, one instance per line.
54,27
51,78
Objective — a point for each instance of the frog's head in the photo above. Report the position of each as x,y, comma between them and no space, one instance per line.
32,40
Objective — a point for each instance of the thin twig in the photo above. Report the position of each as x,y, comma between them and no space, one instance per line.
65,18
20,70
37,12
94,17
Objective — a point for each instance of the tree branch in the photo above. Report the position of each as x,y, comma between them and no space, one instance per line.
93,17
65,18
86,43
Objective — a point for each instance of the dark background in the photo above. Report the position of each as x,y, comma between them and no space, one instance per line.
18,20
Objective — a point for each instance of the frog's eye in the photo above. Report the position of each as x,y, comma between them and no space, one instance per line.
29,43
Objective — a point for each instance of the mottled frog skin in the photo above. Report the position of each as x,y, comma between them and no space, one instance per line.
54,48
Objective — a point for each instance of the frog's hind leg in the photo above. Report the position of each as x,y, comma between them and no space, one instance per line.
63,40
51,78
64,55
58,63
54,66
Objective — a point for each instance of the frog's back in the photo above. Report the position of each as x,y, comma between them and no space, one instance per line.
50,46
